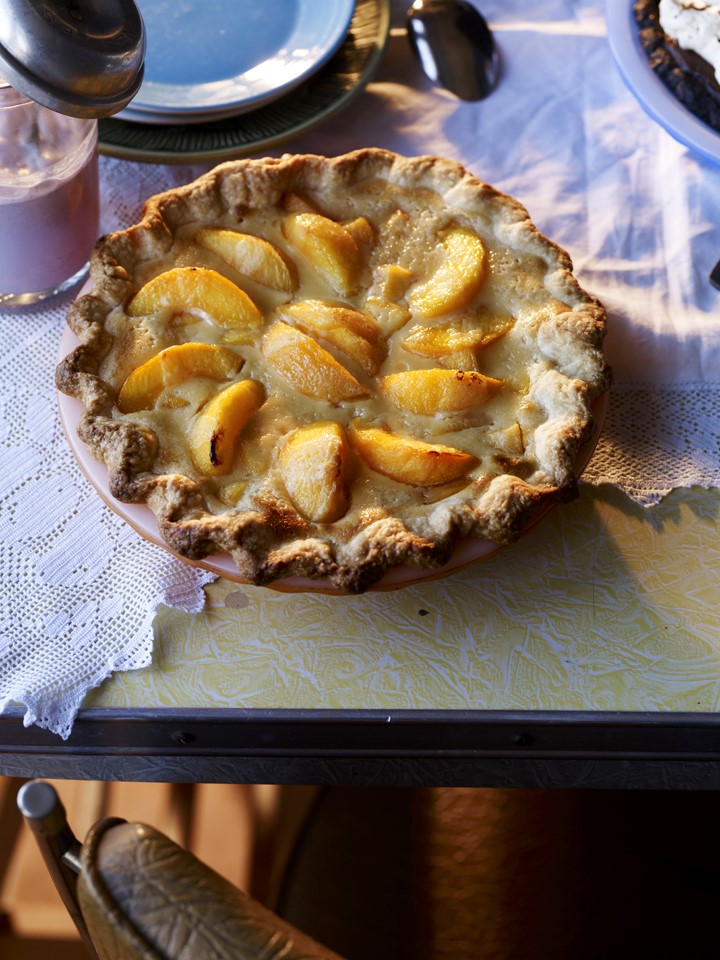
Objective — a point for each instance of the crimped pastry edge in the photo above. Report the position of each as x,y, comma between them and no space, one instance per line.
275,542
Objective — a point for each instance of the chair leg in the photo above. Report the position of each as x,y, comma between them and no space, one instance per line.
45,815
10,821
183,803
280,813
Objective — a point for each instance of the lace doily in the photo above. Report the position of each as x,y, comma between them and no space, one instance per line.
80,588
656,439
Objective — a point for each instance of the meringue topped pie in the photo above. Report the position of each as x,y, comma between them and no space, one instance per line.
329,367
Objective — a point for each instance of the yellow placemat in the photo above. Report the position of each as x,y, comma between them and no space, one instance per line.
604,606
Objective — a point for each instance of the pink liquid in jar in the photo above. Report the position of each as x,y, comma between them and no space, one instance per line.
49,199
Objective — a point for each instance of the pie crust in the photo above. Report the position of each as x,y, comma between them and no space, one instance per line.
427,381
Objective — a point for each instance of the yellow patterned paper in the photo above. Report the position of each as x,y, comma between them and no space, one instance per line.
605,605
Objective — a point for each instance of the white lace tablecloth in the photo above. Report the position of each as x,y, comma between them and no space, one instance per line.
638,212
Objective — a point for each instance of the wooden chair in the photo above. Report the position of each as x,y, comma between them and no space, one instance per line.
410,874
134,894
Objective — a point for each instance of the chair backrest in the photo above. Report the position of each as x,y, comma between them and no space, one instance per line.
60,849
134,894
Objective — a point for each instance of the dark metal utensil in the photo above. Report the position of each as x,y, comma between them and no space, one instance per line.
81,57
455,47
715,275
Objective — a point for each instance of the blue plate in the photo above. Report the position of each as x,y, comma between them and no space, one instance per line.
208,59
311,103
651,92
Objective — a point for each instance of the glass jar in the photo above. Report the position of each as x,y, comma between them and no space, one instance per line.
49,199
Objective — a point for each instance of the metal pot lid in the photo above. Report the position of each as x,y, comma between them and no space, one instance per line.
79,57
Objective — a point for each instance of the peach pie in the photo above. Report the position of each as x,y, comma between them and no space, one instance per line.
328,367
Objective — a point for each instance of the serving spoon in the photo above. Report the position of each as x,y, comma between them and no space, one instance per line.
455,47
81,57
715,275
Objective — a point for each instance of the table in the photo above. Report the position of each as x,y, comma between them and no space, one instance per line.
587,654
554,710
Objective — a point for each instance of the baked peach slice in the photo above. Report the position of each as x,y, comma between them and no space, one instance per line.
466,360
361,230
394,280
251,256
329,247
410,461
390,283
219,424
460,336
427,392
390,315
196,290
310,368
313,467
232,493
353,333
510,440
174,366
458,279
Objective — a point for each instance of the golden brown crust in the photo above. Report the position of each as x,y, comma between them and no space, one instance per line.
557,330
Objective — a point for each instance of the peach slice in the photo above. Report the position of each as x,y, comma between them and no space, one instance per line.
361,230
251,256
393,280
173,366
329,247
458,279
409,461
391,316
458,336
196,290
352,332
233,492
510,440
427,392
466,360
219,424
313,467
307,366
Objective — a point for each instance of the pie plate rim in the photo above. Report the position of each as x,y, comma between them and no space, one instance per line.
468,550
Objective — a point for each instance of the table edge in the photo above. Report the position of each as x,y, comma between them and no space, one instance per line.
343,734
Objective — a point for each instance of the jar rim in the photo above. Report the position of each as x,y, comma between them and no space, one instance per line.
12,97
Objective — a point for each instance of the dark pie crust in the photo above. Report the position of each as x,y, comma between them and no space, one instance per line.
272,540
689,77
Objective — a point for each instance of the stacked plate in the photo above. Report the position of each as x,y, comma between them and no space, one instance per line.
227,77
211,59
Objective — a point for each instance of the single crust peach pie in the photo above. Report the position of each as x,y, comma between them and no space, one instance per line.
330,367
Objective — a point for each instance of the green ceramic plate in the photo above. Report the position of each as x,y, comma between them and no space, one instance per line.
306,107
